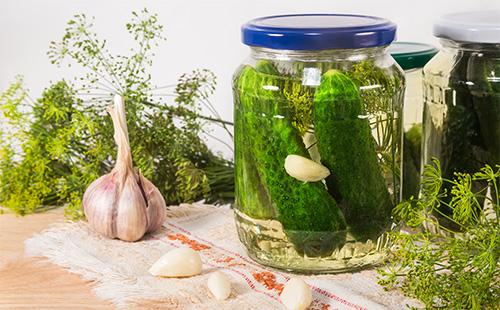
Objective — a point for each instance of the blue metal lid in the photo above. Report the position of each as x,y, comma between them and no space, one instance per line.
318,31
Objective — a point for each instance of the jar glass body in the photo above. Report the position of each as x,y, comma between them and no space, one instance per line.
462,109
412,132
414,103
339,109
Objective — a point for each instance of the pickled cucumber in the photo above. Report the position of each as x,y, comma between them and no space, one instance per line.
310,216
347,148
252,198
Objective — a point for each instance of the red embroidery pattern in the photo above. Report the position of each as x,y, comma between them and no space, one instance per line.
268,279
195,245
226,259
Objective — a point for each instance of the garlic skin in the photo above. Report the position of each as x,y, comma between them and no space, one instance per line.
219,285
296,294
304,169
181,262
123,204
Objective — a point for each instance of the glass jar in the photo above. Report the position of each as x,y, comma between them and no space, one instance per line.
412,57
317,141
462,96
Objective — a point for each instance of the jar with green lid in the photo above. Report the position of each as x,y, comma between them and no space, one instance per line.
461,124
317,117
412,57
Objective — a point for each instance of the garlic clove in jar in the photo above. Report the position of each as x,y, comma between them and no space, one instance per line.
219,285
304,169
296,294
123,204
181,262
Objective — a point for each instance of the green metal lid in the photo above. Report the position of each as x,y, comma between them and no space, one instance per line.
411,55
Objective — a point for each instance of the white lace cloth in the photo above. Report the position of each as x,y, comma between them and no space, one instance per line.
119,269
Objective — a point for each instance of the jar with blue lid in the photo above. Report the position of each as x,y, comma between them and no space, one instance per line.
318,135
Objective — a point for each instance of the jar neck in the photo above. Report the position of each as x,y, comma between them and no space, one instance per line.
469,46
318,56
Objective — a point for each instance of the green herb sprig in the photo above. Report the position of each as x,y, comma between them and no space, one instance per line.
441,267
53,147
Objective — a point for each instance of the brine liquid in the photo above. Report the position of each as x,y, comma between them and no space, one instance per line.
267,243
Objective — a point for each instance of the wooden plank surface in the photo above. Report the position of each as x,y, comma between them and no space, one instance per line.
34,283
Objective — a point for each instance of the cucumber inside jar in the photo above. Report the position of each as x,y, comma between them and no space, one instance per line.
279,111
310,217
348,149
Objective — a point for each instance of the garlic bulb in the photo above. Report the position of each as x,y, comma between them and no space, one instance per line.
219,285
181,262
304,169
123,204
296,294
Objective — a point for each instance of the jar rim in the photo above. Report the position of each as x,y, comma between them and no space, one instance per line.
319,55
470,46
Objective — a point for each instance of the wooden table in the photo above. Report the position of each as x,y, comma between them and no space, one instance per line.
34,283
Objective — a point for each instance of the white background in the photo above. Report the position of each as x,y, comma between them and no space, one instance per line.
200,34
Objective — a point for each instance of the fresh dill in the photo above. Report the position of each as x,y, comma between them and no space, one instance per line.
51,148
445,268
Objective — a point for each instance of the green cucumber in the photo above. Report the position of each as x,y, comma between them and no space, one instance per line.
252,197
310,216
347,148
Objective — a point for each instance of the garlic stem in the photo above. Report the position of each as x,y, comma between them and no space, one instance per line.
117,113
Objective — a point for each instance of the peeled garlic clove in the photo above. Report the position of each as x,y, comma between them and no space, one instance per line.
304,169
296,294
181,262
219,285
